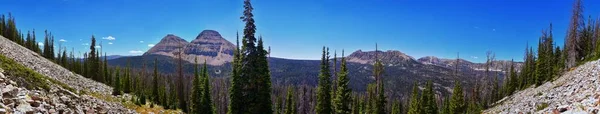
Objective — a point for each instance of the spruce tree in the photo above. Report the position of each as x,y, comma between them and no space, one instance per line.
235,90
290,105
196,97
207,105
324,87
428,104
343,98
256,85
117,83
457,102
414,107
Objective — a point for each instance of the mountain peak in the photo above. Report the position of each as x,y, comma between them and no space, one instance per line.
388,57
167,44
209,34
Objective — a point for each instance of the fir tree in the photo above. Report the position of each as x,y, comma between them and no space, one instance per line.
117,83
428,104
414,107
196,97
457,103
343,98
290,105
207,105
235,95
256,88
324,88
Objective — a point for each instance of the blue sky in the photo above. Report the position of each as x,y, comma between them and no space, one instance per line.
298,29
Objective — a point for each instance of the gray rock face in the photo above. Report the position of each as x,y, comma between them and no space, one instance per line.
209,45
577,91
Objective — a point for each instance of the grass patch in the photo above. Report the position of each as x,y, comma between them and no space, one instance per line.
542,106
27,77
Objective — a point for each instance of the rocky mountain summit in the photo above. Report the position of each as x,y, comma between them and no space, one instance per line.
577,91
390,57
67,93
209,45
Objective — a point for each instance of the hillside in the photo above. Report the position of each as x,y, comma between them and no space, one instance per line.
33,84
577,91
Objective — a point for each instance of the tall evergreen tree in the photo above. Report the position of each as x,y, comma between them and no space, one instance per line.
324,88
290,105
343,98
414,107
235,90
256,87
457,102
117,83
207,105
196,100
428,104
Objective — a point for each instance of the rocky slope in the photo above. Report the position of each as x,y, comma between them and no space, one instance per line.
209,45
74,100
20,100
498,65
577,91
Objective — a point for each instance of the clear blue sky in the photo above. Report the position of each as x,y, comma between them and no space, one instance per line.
299,28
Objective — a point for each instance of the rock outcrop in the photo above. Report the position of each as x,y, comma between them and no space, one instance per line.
55,100
577,91
209,45
20,100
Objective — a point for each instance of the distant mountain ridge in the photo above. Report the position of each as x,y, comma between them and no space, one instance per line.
209,45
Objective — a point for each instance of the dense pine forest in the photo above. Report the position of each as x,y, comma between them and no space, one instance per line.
249,88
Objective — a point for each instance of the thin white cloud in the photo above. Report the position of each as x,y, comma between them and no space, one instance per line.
109,38
97,47
474,57
109,43
86,44
135,52
40,43
62,40
141,41
150,45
